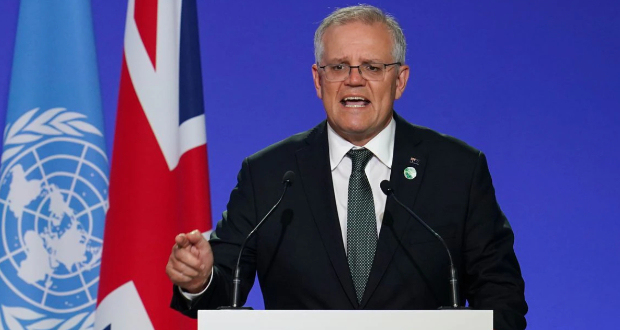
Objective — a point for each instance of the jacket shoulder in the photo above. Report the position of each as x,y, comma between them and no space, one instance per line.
289,145
436,143
445,141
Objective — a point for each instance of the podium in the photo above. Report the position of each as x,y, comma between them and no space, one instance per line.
341,320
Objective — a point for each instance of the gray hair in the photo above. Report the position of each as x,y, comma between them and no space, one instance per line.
366,14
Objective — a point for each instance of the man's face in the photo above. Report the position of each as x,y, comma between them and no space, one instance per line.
354,44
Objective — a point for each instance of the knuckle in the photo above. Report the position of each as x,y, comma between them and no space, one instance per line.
179,254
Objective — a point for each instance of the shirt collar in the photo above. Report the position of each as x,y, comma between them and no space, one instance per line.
382,145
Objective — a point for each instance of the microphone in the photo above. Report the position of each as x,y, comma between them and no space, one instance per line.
386,187
287,181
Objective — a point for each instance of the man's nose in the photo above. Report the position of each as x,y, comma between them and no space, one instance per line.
355,77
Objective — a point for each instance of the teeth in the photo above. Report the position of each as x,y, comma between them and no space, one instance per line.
357,99
354,98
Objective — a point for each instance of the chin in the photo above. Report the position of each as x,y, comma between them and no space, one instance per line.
353,130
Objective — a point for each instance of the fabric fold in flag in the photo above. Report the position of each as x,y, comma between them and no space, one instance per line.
159,180
54,172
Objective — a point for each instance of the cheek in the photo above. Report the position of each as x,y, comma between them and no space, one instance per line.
385,96
330,91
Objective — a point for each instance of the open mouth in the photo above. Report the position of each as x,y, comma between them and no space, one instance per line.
354,102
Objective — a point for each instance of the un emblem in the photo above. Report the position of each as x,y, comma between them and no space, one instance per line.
53,200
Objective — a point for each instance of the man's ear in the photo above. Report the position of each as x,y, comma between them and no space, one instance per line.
317,80
401,80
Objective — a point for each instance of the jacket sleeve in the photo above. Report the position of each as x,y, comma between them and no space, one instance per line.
492,274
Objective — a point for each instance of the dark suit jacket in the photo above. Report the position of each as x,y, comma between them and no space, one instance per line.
299,253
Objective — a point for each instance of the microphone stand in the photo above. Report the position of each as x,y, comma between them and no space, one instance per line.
288,181
454,282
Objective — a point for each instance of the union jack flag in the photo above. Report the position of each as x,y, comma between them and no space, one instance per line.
159,184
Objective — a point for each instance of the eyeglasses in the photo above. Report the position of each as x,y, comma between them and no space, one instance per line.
368,71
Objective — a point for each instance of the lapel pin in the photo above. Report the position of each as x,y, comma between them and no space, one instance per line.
410,173
414,161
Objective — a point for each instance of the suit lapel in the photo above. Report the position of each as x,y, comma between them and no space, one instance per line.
396,221
313,162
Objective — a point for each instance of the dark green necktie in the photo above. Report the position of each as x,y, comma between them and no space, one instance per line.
361,221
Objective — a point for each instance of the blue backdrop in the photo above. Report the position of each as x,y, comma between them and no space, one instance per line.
534,84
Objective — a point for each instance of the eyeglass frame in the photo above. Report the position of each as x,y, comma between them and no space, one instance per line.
359,70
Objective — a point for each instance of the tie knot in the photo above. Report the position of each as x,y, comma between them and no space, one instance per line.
359,158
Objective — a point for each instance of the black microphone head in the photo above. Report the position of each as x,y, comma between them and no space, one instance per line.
288,178
386,187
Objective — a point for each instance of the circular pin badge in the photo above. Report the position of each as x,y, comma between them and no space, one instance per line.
410,173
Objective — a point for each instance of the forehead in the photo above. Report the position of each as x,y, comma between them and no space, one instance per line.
357,41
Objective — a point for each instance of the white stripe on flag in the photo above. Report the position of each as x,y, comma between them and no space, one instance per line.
123,309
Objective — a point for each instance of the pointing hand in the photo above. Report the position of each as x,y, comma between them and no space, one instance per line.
190,262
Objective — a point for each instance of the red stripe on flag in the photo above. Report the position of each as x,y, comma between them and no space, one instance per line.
145,15
149,206
192,178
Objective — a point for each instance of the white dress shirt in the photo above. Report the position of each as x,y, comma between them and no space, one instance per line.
378,169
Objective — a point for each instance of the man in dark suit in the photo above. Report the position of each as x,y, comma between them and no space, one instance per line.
336,241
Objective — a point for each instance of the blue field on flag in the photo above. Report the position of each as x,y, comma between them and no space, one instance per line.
54,172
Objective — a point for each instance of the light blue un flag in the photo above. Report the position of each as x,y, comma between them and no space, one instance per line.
54,172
